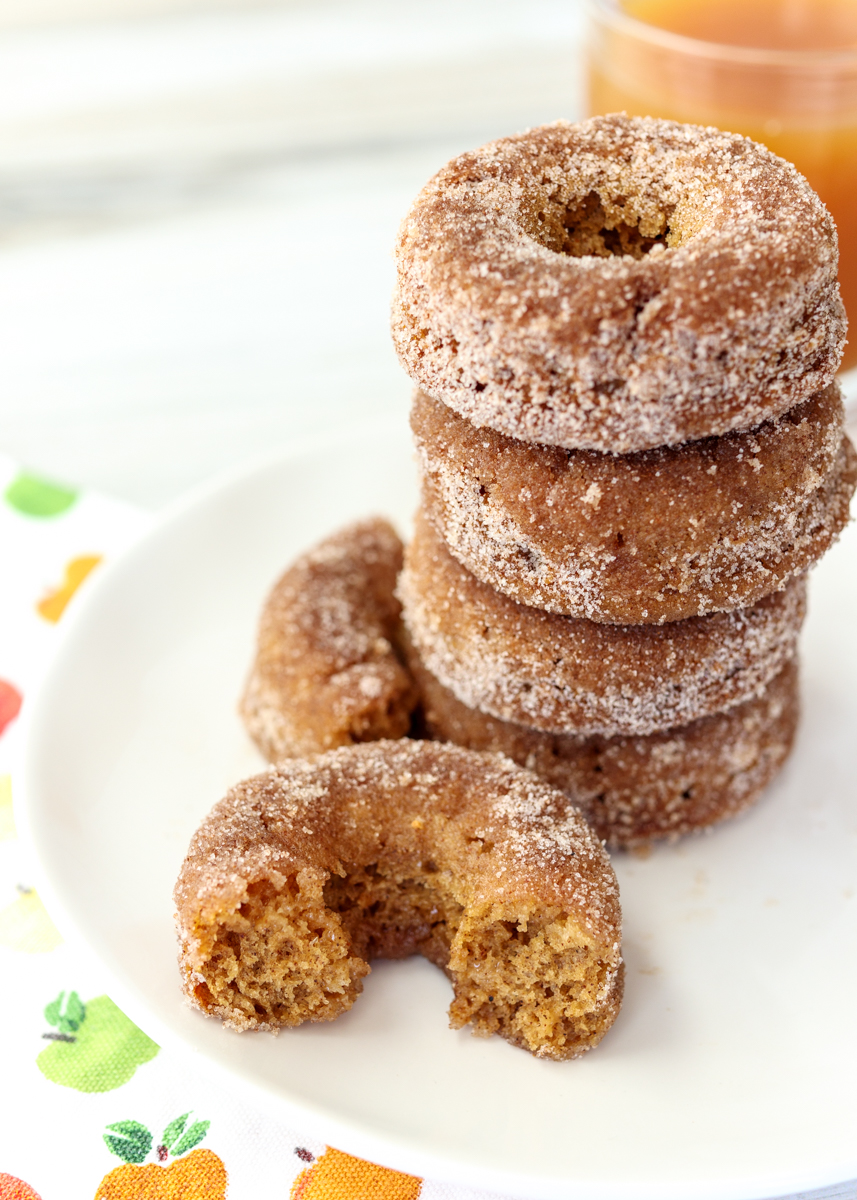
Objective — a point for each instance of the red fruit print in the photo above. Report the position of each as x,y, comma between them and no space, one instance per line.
15,1189
10,706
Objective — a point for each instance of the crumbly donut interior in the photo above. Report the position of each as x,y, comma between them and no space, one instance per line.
601,226
293,954
532,979
282,957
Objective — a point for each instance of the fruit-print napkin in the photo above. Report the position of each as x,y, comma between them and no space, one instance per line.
93,1107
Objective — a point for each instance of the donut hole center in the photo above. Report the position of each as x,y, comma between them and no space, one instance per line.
593,227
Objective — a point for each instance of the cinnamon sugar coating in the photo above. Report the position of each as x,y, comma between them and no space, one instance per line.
634,790
302,874
650,537
567,675
326,673
618,285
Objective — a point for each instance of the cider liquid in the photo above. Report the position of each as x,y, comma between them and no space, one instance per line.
802,106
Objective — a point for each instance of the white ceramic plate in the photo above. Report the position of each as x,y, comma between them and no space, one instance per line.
730,1071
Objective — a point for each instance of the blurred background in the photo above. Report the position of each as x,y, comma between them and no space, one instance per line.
199,198
198,202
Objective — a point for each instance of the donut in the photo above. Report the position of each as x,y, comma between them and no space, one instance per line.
326,673
566,675
650,537
617,285
300,876
635,790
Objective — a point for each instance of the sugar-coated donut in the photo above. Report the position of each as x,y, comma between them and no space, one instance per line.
301,875
326,673
634,790
650,537
566,675
617,285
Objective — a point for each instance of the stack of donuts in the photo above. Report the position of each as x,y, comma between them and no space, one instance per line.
624,335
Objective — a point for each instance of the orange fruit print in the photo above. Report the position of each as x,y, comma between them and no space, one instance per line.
198,1175
52,606
15,1189
338,1176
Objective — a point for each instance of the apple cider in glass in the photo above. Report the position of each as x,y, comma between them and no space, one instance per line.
784,72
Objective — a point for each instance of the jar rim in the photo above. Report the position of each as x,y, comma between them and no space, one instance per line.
610,12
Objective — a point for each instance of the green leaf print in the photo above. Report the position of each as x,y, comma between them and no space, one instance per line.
52,1010
192,1138
133,1145
66,1015
174,1130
